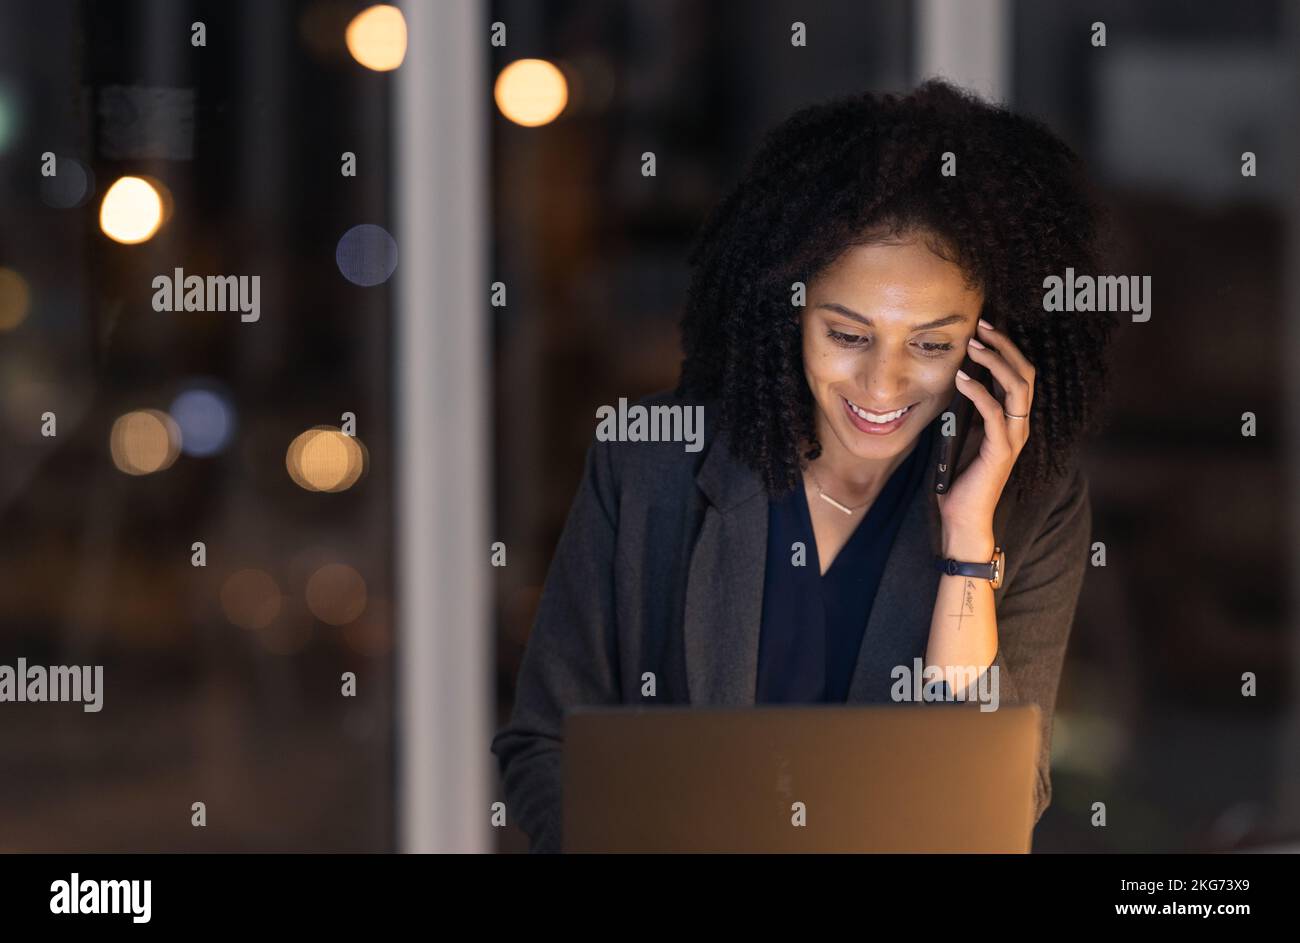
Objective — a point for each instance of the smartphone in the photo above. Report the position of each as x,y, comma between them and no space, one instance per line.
948,447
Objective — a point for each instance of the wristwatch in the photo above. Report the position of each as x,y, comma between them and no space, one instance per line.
991,571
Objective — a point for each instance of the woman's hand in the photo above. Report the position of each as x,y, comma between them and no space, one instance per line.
967,509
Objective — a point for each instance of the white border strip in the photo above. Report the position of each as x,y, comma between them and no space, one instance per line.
441,359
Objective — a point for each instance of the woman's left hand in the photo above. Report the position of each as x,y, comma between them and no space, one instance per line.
967,509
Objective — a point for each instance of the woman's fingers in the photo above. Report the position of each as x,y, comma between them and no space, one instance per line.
1012,373
995,422
1016,391
1010,354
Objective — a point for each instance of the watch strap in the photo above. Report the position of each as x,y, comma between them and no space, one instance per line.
985,571
991,571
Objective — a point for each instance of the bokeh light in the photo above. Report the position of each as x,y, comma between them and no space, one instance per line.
206,421
71,185
15,299
324,459
250,598
531,92
376,38
336,594
366,255
144,441
132,210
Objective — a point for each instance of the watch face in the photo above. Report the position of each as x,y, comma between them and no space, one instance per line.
999,562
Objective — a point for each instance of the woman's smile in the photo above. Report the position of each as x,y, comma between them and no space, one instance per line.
876,423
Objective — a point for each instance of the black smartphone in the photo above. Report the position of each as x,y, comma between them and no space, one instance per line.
949,447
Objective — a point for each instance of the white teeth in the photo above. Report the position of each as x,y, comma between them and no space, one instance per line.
877,418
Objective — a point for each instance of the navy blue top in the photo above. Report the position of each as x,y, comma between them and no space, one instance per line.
813,624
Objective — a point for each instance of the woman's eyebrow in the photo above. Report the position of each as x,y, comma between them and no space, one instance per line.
850,313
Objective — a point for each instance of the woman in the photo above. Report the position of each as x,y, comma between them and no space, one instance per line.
874,243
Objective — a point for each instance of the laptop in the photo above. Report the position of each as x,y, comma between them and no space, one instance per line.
808,778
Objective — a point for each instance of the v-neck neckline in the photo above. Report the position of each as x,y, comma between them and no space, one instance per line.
805,514
805,511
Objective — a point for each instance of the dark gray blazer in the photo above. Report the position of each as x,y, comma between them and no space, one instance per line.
660,568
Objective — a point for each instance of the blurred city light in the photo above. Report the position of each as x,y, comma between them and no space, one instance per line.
336,593
132,210
376,38
531,92
324,459
15,299
206,421
144,441
250,598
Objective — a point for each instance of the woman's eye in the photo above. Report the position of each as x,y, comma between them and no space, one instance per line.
935,349
931,348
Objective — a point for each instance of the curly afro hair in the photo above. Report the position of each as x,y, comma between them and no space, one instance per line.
840,173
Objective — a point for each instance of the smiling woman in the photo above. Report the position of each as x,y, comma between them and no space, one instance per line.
804,555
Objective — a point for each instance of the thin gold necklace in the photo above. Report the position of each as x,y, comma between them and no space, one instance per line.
831,501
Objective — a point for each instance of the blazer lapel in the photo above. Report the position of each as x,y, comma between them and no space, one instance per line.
724,590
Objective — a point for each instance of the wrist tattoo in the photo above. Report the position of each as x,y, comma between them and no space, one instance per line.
967,607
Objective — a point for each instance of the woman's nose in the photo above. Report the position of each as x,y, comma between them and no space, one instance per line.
882,378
